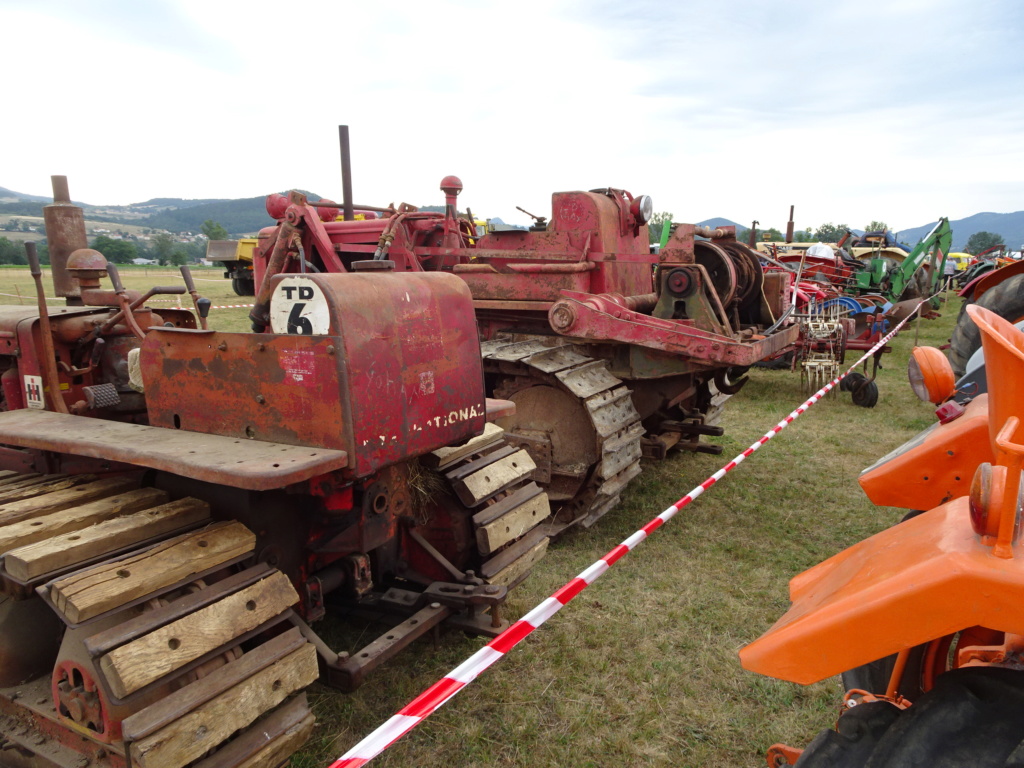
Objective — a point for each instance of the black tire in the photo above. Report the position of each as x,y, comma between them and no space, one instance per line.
865,394
852,380
243,286
972,717
1006,299
874,676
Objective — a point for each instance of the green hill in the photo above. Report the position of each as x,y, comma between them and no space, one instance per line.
1009,225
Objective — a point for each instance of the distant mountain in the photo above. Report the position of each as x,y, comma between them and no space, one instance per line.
175,214
239,217
1009,225
176,202
248,215
718,221
10,196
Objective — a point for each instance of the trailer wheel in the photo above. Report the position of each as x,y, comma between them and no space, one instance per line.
1005,299
853,380
865,394
243,286
973,716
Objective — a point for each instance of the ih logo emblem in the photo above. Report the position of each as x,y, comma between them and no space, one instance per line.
34,392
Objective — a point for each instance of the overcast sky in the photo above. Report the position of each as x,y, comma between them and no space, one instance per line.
851,110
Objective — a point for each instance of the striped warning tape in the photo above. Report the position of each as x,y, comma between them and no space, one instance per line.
31,297
413,713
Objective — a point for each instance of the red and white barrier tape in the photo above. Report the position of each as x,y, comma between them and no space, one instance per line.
413,713
30,296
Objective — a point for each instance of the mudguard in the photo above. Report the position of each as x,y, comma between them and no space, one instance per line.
935,465
989,280
924,578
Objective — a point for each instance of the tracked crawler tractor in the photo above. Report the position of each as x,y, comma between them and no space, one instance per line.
609,352
924,620
179,505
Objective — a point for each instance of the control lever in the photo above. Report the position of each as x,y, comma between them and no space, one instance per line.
202,305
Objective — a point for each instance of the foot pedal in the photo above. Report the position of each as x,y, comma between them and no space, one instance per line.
101,396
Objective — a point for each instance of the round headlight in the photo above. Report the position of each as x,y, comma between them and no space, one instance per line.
930,374
642,208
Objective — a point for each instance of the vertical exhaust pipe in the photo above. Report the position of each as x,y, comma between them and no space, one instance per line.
348,213
789,227
65,233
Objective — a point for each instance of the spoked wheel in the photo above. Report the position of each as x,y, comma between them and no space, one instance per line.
971,717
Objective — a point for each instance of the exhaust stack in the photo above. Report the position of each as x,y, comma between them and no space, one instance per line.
65,233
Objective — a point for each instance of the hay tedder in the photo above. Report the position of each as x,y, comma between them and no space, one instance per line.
924,620
846,302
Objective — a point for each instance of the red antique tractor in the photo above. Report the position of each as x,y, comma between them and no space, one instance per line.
178,505
608,351
924,620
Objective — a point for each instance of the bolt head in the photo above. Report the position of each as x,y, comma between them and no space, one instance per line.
562,317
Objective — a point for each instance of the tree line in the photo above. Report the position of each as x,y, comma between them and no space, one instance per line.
825,233
162,248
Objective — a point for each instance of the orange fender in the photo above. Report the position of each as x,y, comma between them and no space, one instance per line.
934,466
922,579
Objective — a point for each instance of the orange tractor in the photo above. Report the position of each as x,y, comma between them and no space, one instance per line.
925,620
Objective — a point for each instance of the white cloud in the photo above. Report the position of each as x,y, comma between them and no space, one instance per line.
901,111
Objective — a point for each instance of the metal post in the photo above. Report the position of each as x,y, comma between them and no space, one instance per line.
346,174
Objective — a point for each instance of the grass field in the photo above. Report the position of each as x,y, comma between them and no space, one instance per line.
642,668
17,287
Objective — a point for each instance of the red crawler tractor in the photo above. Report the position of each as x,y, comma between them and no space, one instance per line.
609,352
177,505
